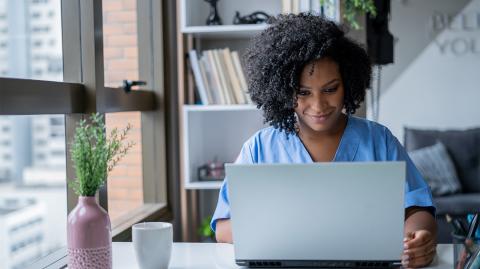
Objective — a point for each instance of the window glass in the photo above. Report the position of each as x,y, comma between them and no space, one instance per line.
33,208
120,48
31,40
125,181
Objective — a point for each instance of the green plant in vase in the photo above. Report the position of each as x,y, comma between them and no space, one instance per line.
94,154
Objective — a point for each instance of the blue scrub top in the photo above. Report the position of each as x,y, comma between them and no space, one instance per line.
362,140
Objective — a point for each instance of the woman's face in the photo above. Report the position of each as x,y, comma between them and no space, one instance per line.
320,97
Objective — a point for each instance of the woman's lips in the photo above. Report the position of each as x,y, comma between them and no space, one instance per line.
320,118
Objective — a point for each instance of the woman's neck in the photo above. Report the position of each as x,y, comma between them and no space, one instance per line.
307,134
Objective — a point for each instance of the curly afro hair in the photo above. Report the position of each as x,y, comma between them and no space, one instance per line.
276,57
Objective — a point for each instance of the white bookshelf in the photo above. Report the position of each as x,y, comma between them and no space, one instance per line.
215,132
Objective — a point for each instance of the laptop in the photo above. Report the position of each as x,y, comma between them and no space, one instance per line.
329,215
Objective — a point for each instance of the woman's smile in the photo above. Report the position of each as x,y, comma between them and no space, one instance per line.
319,118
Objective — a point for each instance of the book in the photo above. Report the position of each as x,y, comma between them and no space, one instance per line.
297,6
206,81
241,76
233,77
286,6
198,77
221,74
215,77
212,87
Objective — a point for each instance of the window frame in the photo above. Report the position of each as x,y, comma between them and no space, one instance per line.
83,92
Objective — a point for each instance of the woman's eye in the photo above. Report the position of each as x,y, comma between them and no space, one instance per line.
330,90
302,93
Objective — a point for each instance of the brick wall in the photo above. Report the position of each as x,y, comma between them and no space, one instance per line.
125,184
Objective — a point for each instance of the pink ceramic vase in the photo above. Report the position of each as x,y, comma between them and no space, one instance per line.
89,236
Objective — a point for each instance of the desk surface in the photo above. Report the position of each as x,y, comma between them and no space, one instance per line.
211,255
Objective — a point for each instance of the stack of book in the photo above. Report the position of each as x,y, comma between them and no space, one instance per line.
219,77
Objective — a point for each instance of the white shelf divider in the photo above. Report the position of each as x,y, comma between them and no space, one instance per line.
219,107
203,185
225,31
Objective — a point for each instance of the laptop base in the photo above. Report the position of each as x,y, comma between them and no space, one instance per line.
317,264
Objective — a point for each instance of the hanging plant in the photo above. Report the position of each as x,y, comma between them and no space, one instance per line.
354,7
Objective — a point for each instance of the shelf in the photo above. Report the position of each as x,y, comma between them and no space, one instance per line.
225,31
203,185
188,108
215,132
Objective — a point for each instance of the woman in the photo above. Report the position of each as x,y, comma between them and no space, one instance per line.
309,79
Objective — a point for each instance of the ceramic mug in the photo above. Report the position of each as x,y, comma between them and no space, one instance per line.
152,242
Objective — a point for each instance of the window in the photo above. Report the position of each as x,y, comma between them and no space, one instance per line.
26,35
39,1
37,43
35,15
55,66
125,182
33,184
121,62
41,166
40,29
56,122
41,142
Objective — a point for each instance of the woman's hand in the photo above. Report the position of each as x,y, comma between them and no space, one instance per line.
419,249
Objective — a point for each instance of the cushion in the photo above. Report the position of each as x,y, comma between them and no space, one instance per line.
457,204
437,168
463,147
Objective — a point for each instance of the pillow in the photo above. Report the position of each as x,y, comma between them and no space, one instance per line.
463,147
437,168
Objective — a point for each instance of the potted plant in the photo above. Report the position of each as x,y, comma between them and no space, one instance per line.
94,154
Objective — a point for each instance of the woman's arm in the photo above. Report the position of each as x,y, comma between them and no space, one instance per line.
223,231
420,237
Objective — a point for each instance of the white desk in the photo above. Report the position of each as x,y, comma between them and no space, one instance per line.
211,256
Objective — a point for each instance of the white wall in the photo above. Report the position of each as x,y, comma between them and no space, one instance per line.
435,80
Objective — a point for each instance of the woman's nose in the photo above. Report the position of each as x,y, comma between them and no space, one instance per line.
319,102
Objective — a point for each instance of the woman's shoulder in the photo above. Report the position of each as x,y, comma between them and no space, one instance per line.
367,125
266,136
268,145
370,129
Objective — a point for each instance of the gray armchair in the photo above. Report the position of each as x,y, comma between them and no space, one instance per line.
463,147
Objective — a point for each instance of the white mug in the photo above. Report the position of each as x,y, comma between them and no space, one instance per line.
152,242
